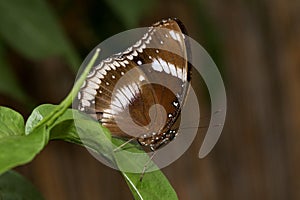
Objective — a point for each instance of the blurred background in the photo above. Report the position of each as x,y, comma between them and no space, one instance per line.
256,46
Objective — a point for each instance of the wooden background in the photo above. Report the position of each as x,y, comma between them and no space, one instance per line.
256,44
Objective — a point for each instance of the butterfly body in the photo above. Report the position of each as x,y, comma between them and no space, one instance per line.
139,92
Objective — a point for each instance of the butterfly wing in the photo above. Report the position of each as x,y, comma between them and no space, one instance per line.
122,89
167,54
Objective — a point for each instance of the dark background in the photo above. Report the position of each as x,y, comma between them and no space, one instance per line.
256,46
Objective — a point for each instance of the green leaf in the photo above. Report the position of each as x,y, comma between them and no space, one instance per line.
66,131
16,148
13,186
64,127
40,112
97,138
11,123
32,29
154,184
131,11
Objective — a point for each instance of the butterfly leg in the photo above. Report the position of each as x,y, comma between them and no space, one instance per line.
146,165
122,145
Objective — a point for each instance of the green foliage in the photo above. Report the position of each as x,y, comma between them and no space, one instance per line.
153,186
31,28
13,187
20,150
131,11
16,148
211,36
20,143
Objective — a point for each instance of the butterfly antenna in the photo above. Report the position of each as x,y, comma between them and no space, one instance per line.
216,125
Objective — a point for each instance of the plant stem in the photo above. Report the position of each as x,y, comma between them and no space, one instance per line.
63,106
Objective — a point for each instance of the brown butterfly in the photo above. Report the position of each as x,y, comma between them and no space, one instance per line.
122,90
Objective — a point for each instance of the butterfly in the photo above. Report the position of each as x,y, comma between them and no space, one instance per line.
138,94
